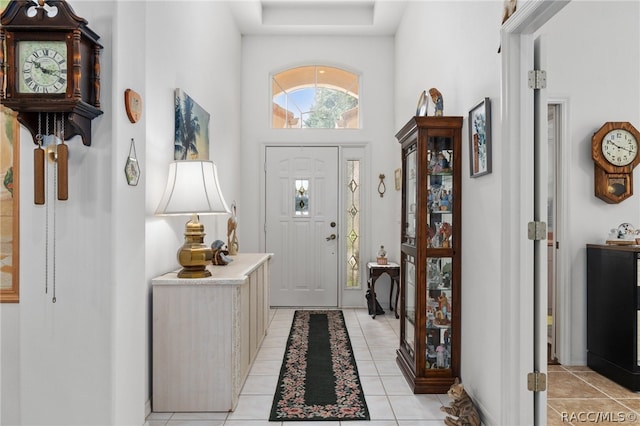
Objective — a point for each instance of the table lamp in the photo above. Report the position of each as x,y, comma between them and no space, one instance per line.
193,189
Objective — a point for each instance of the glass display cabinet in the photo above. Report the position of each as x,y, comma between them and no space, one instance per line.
429,353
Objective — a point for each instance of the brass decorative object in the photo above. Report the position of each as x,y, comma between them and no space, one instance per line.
381,186
194,255
192,189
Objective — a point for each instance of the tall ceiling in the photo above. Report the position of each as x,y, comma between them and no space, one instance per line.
318,17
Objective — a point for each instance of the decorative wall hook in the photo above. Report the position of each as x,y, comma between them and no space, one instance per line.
381,186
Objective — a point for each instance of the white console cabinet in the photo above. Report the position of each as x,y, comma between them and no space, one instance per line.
206,333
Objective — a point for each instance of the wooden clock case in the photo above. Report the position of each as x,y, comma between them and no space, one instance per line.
24,20
612,184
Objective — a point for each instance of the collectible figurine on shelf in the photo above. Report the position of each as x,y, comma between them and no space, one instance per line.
381,259
443,304
436,97
220,255
434,198
232,225
445,231
441,357
438,163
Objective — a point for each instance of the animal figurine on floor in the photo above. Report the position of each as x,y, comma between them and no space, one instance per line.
461,406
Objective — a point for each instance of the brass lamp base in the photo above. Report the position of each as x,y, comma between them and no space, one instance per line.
194,255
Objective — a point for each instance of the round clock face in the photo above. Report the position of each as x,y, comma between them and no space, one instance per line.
43,67
619,147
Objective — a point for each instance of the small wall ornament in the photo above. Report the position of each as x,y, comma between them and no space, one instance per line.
132,168
382,188
133,105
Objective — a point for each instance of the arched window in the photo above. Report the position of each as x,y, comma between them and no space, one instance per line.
315,96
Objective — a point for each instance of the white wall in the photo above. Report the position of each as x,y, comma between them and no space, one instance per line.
599,82
66,369
463,64
453,46
129,346
373,58
194,46
86,359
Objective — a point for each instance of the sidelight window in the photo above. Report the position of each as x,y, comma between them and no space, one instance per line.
353,223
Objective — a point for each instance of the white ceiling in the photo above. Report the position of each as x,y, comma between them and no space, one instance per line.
318,17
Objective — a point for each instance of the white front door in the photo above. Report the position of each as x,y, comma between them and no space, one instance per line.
301,215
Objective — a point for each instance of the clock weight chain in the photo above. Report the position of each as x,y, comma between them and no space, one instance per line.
38,167
58,156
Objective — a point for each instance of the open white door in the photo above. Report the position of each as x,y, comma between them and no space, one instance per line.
523,337
540,216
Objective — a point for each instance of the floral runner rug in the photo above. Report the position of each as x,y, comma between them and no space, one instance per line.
319,377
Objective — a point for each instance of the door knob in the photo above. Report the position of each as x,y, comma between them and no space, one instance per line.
331,237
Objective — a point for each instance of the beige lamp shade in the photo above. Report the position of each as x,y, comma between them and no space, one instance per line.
192,187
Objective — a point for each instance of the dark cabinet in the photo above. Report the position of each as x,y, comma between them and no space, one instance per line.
613,313
429,352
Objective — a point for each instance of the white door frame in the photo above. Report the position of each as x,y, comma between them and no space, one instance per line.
517,272
346,151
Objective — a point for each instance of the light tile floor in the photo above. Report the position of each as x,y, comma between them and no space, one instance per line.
571,390
578,395
374,342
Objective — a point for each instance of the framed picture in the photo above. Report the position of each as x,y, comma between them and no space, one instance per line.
397,175
192,129
9,205
480,138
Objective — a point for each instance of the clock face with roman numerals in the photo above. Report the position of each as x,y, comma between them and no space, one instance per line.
619,147
42,67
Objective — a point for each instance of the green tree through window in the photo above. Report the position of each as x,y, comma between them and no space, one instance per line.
315,96
328,108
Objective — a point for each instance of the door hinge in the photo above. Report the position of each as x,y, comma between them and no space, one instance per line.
537,231
537,79
537,381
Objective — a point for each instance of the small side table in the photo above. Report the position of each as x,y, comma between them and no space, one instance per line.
393,270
